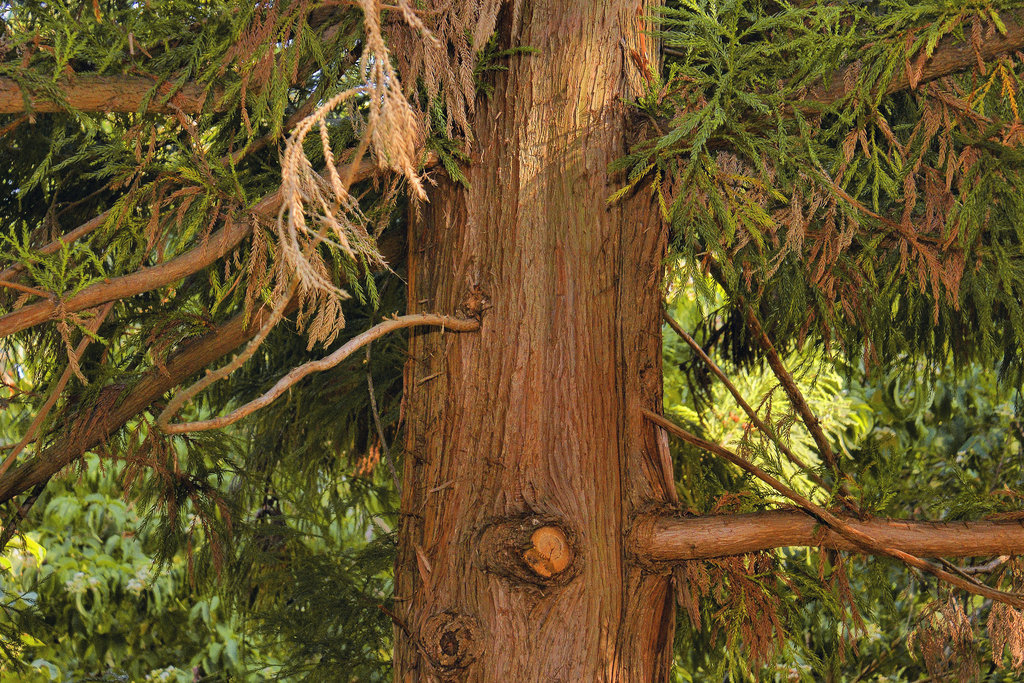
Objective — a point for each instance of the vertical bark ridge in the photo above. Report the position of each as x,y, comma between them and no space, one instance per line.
538,414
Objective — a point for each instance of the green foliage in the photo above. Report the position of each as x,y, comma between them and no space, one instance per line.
890,223
90,601
948,449
878,236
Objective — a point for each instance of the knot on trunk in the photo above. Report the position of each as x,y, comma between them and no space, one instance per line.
452,641
532,550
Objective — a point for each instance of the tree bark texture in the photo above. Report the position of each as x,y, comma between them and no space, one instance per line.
107,94
527,455
676,539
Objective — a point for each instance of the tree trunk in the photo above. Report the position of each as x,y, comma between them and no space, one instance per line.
527,455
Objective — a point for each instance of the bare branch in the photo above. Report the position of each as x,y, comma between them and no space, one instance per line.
675,539
852,534
123,94
296,374
810,420
11,527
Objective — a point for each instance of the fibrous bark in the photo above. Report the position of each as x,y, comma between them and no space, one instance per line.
527,453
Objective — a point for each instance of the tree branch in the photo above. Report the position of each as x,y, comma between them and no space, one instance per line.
214,247
808,417
950,55
82,230
674,539
125,94
837,524
122,94
117,404
751,413
296,374
37,421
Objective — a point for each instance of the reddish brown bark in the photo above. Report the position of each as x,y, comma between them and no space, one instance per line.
672,539
109,94
526,445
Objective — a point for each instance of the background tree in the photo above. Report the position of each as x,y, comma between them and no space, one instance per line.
836,185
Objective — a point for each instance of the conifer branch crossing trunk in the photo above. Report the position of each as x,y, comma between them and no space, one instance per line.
527,454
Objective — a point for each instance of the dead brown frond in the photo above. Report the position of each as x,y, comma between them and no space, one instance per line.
944,636
1006,626
439,44
318,210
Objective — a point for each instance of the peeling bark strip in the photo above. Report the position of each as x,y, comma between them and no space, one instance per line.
571,328
122,94
674,539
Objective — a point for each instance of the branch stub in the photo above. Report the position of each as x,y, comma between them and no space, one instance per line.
530,550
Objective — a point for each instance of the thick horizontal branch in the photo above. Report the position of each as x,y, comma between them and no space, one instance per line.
950,56
123,94
675,539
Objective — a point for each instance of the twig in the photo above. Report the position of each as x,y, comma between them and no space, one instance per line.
751,413
987,567
793,391
30,433
116,404
11,528
23,288
296,374
834,522
180,398
388,458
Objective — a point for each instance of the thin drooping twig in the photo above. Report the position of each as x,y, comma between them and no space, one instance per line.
11,528
751,413
296,374
31,432
388,458
180,398
834,522
789,385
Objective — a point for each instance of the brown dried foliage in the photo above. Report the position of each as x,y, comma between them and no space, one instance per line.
944,636
1006,626
438,45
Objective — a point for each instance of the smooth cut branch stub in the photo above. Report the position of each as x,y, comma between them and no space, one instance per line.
550,553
